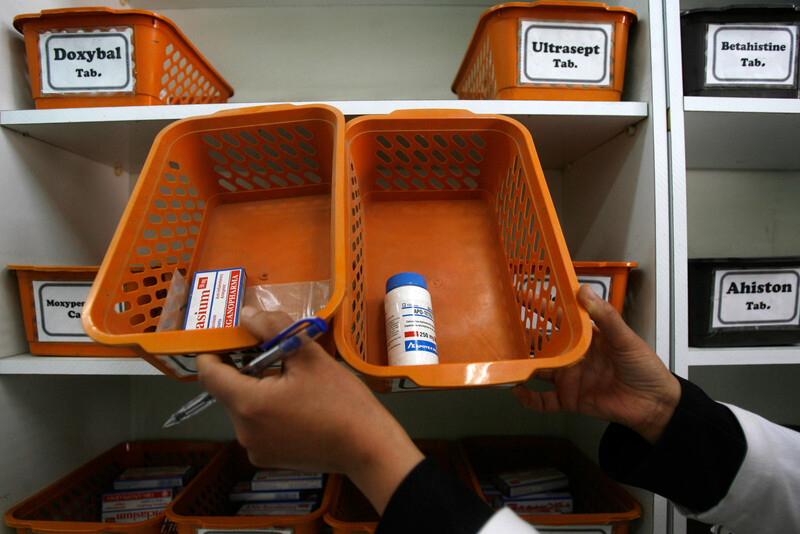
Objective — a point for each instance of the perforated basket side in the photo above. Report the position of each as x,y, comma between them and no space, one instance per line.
73,503
479,81
491,65
598,499
197,166
206,504
185,78
168,68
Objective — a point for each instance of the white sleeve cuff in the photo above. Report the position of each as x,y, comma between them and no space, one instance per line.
763,497
507,522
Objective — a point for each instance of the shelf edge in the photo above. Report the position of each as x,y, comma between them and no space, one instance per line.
28,364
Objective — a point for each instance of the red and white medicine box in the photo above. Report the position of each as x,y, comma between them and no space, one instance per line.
216,298
137,500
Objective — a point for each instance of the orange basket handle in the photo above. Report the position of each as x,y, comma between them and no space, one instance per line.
249,110
437,113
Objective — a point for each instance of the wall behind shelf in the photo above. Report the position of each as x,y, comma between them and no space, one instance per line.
355,50
758,388
424,414
55,209
333,52
742,213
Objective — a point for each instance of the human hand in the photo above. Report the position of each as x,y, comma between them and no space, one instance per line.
621,379
314,416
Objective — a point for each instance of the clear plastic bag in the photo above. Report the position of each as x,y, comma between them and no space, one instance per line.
298,300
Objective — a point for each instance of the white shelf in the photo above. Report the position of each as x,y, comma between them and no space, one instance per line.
744,356
741,133
563,132
28,364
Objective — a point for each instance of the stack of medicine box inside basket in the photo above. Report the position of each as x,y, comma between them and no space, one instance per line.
141,493
278,492
530,491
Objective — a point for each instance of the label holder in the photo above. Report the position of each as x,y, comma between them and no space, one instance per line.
91,61
751,68
585,59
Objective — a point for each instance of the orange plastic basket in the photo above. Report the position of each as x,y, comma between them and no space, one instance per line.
73,504
36,287
153,62
502,61
462,200
598,500
608,278
351,513
253,188
205,503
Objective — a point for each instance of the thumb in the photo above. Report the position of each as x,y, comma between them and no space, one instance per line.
615,331
222,381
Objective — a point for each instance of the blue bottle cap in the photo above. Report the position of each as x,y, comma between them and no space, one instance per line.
406,279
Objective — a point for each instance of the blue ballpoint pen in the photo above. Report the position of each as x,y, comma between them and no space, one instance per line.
275,350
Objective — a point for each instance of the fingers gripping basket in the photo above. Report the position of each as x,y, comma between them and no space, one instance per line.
461,199
252,188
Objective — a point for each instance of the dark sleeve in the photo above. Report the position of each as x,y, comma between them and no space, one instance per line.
694,462
431,499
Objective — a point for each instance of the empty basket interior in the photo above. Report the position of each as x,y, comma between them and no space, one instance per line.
460,199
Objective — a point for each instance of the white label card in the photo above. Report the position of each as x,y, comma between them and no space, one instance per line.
755,298
100,61
751,54
565,53
601,285
58,307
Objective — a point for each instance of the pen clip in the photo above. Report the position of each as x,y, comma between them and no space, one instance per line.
313,322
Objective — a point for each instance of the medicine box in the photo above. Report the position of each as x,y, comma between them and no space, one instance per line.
276,508
741,51
742,302
598,503
524,482
243,492
209,501
216,298
169,476
130,516
74,503
549,502
285,479
137,499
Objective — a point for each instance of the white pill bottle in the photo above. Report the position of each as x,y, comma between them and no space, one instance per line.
410,335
